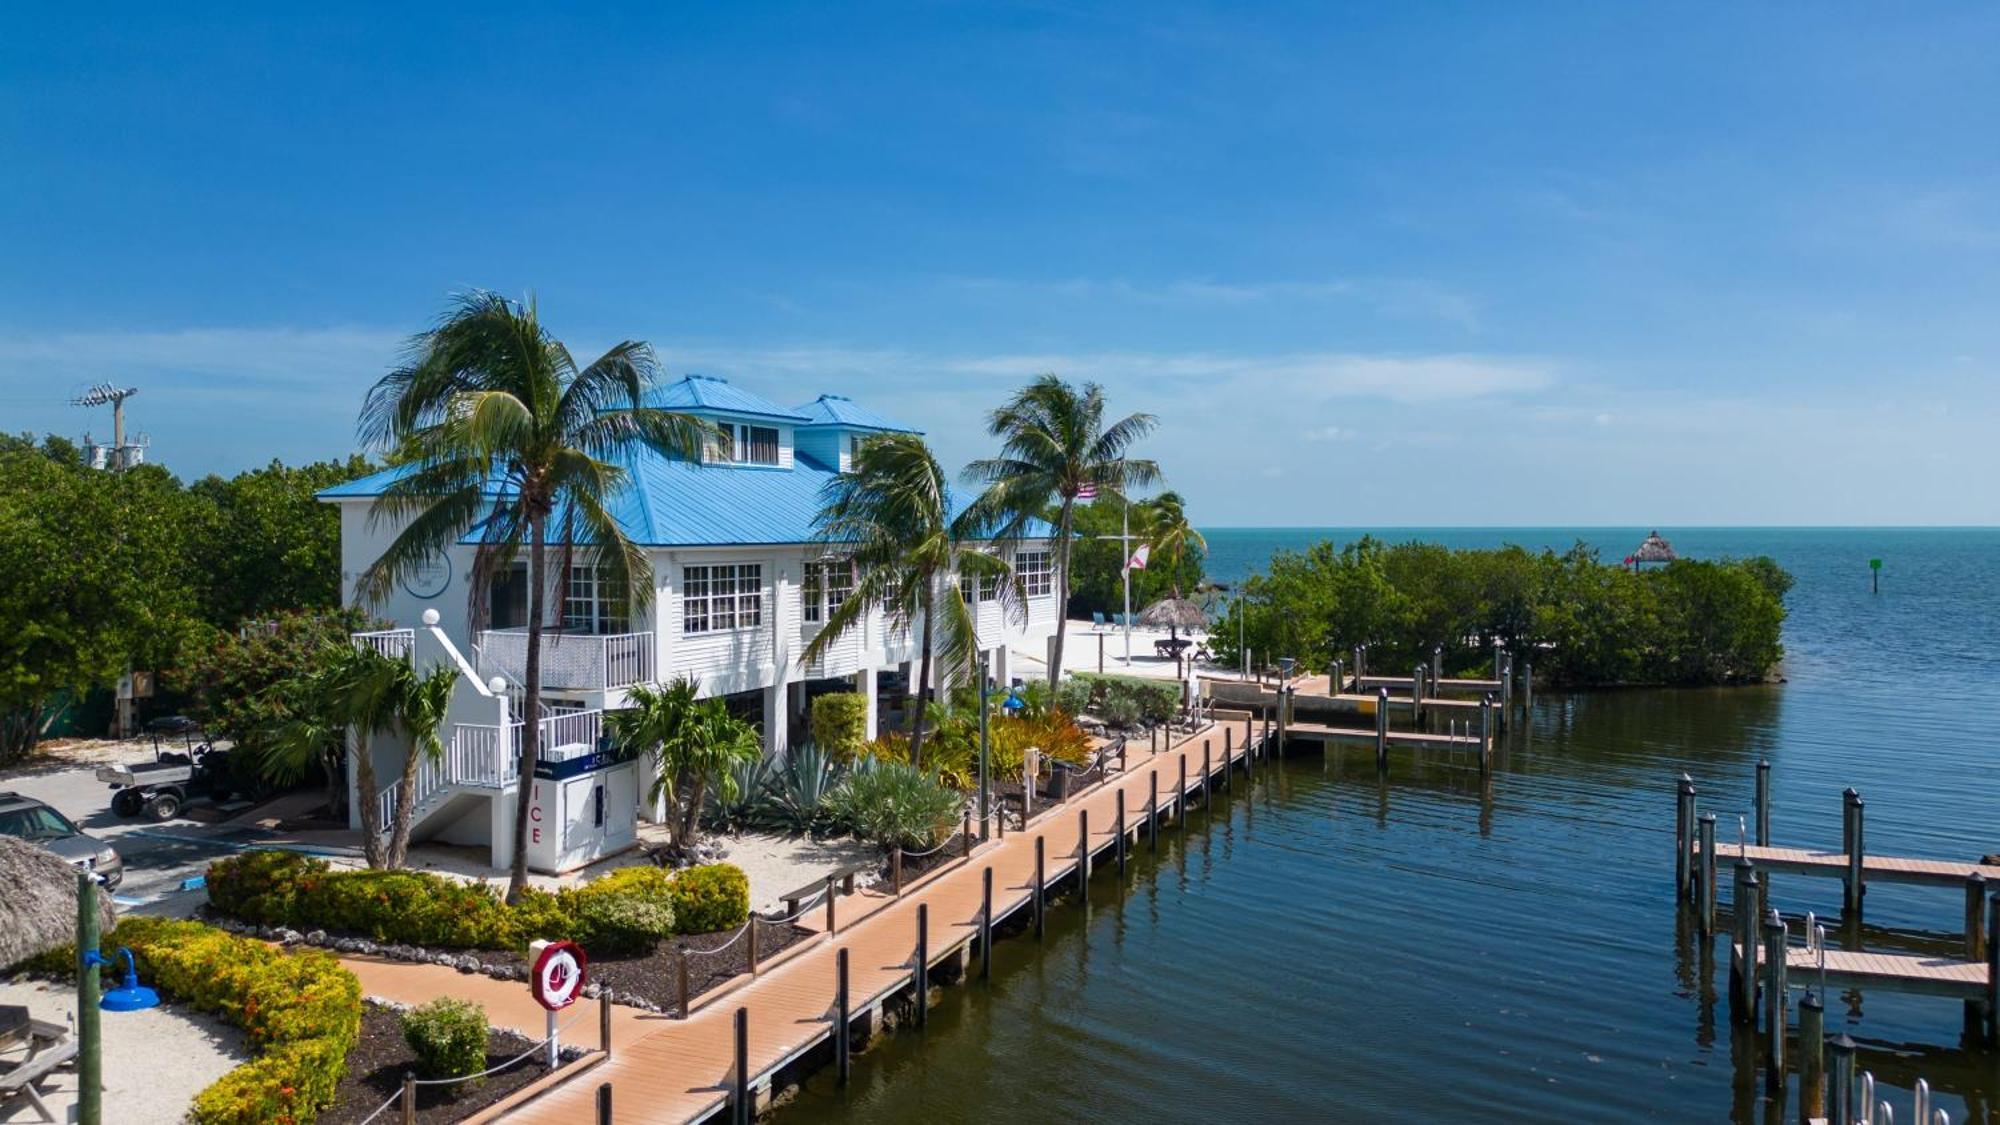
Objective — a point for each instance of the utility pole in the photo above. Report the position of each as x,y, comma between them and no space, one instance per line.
105,394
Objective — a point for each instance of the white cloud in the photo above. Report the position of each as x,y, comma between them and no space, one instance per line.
207,361
1329,433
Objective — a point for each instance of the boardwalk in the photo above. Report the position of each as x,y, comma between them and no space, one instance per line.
669,1070
1874,868
1898,972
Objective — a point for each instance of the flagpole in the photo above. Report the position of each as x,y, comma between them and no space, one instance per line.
1125,544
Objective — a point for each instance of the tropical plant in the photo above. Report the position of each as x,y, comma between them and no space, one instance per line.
1171,535
422,703
1055,447
352,689
891,513
897,805
448,1036
502,436
797,796
696,745
839,723
734,807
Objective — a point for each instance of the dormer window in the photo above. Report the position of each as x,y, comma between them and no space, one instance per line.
745,444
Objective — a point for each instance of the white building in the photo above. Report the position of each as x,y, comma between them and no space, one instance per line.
740,589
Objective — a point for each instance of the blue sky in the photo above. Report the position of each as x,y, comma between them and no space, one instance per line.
1404,264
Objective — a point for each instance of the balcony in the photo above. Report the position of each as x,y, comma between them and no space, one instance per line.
395,644
570,661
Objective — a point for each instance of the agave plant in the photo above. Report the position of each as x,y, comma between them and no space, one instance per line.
733,808
896,804
797,796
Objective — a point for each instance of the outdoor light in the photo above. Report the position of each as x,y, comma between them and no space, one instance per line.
431,617
130,996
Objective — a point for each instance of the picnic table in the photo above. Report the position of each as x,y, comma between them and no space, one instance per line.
1171,648
14,1024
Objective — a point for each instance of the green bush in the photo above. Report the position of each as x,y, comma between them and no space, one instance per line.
448,1036
895,804
839,724
1121,700
712,897
627,911
300,1011
261,886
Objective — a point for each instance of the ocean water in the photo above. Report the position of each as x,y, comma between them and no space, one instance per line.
1336,946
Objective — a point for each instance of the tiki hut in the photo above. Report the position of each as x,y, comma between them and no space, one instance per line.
1653,550
38,912
1173,615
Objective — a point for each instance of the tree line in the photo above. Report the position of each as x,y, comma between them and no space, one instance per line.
1581,621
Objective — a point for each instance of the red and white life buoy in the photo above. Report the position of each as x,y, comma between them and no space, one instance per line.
559,974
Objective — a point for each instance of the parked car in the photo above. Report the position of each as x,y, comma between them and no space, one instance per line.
25,818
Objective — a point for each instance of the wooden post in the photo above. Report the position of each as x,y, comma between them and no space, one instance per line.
1743,948
1333,678
1976,936
896,869
1527,689
923,974
1357,667
1180,794
1486,734
1437,664
1228,763
681,972
1854,844
1774,1001
1153,810
1121,832
604,1022
843,1032
832,892
965,835
1208,768
1041,884
1812,1060
1100,654
986,923
1284,718
409,1102
1840,1081
1381,730
1708,896
1764,803
1083,850
1993,970
1417,695
604,1103
89,1014
1683,835
751,925
739,1095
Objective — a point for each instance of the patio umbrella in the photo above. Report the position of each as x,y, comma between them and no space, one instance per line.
38,912
1173,615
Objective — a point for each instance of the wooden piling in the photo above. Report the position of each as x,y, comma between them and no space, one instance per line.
843,1031
1208,770
604,1103
1228,764
1527,690
1120,847
1417,695
1486,734
1840,1081
832,893
986,923
681,973
1743,949
751,937
1993,971
1683,836
1153,810
1041,885
1707,906
604,1022
1083,851
896,869
1774,1001
739,1080
1854,844
922,976
1976,936
409,1103
1381,730
1764,803
1180,796
1812,1060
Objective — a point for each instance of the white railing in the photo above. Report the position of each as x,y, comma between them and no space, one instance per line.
479,756
396,644
571,661
574,728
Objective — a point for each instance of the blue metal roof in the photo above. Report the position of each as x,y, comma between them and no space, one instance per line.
708,394
839,410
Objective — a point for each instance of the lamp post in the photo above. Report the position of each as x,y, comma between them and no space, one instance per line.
985,787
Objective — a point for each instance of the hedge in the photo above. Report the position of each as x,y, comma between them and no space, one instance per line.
1126,699
839,724
625,911
300,1010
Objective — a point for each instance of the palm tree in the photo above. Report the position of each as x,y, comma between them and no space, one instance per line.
695,744
350,692
421,705
1170,533
1055,446
502,435
890,515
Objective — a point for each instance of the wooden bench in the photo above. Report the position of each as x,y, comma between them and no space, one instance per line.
843,876
18,1077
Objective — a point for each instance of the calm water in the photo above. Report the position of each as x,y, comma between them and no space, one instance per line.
1440,950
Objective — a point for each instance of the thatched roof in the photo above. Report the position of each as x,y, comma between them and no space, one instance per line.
1654,549
1173,613
38,912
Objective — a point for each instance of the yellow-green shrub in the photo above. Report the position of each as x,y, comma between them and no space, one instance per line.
712,897
448,1036
839,724
300,1011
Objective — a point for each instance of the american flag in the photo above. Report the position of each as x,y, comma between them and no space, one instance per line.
1087,492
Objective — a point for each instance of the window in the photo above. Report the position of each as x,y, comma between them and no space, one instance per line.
989,588
853,448
588,603
827,583
719,598
1037,578
747,445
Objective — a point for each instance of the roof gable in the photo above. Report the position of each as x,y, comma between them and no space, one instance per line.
844,412
710,394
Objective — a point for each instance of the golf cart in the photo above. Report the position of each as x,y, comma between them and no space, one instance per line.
163,787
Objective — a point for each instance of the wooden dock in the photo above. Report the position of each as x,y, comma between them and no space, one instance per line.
1404,684
1834,865
1896,972
673,1070
1398,739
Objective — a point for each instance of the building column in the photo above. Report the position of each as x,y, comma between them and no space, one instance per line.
777,733
864,682
998,664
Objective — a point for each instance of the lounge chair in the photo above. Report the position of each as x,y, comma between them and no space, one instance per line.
1097,620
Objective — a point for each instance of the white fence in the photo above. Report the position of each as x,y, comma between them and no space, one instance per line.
571,661
396,644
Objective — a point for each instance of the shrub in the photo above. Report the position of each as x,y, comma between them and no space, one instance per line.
1121,700
448,1036
795,798
1055,734
1075,695
712,897
300,1011
628,911
895,804
839,724
286,889
261,886
726,813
